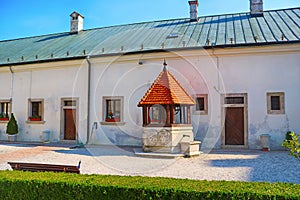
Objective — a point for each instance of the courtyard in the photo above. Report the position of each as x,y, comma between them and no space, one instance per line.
231,165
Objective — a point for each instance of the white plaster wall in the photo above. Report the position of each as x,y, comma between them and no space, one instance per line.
5,85
119,77
252,73
126,79
256,75
50,84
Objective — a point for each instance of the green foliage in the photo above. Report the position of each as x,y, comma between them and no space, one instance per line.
49,185
35,116
292,144
288,135
12,126
4,115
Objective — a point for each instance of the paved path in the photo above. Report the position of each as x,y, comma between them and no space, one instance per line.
246,165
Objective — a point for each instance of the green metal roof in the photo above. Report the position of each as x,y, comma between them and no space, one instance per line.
275,27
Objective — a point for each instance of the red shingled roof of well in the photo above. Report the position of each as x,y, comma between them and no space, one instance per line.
166,90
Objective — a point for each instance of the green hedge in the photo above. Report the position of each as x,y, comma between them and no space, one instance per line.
47,185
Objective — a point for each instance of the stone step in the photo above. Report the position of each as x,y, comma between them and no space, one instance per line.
139,152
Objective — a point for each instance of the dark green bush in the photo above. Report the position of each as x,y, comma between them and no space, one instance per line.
47,185
12,126
288,135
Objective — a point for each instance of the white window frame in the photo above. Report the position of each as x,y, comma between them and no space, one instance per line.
41,111
9,111
104,109
201,112
282,103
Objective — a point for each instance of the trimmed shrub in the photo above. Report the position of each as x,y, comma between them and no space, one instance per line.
12,126
48,185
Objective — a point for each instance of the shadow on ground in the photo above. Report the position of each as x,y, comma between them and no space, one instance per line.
275,166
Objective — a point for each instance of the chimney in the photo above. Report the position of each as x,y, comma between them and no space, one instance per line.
76,22
193,10
256,8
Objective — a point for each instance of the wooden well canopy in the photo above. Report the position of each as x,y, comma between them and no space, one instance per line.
166,102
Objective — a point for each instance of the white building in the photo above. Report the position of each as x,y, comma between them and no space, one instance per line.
243,70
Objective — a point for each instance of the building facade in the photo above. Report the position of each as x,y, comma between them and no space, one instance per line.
84,86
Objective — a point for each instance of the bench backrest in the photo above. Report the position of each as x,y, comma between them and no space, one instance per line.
34,167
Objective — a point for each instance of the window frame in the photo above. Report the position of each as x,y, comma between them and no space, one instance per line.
269,103
9,108
201,112
41,111
105,99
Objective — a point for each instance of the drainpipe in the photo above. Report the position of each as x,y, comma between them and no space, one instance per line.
218,71
11,87
88,99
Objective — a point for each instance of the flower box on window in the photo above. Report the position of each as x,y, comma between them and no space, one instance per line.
4,119
116,119
35,118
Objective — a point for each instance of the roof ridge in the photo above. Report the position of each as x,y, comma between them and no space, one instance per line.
36,36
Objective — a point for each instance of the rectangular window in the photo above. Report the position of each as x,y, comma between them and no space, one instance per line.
36,110
70,103
5,110
234,100
275,103
113,109
201,104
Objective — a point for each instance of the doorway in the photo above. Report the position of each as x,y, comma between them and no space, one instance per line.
70,124
235,124
69,119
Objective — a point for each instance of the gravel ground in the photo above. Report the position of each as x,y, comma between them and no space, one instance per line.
238,165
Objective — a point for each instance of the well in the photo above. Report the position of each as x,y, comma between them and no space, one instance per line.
166,117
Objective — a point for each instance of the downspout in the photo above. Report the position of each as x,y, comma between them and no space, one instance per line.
218,71
88,99
11,86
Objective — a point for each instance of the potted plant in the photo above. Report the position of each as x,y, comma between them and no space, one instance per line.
12,128
35,118
112,118
4,117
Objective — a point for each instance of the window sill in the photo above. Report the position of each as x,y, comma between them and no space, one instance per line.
35,122
197,112
276,112
112,123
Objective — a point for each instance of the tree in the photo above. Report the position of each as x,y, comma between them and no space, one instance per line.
292,144
12,126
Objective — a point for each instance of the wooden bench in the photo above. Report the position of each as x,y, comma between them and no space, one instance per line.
39,167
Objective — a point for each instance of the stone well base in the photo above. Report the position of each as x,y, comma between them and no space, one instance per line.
168,139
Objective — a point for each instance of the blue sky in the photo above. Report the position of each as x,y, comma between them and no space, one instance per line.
23,18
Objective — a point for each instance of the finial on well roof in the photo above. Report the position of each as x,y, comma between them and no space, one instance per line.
165,65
